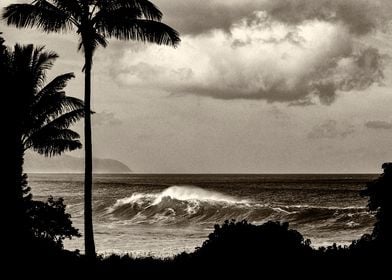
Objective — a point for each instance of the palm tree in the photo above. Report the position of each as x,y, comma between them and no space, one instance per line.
95,22
45,113
42,113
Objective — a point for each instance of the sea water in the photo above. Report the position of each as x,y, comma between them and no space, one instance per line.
165,214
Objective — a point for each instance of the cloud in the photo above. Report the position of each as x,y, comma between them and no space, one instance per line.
379,125
360,16
259,60
105,119
195,17
331,129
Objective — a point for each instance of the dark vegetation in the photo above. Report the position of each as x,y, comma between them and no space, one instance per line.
41,115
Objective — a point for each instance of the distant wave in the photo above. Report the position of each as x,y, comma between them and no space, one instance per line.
179,205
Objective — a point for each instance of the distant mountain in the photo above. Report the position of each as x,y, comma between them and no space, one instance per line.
69,164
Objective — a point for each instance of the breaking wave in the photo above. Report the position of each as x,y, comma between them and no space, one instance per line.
188,205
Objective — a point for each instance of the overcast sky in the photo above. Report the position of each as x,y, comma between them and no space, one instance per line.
255,86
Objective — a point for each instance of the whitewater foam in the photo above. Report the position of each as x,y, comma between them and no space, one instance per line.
184,193
180,193
135,198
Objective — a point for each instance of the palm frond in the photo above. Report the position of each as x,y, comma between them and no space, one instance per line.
52,133
56,147
65,120
54,105
138,29
39,14
22,56
146,8
62,122
123,12
71,7
41,62
57,84
45,139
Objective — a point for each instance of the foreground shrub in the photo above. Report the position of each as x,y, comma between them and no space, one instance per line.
49,221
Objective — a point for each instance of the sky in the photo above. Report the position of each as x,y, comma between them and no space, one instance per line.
268,86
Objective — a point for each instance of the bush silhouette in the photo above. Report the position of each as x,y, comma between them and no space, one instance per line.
242,243
379,192
380,201
373,246
48,220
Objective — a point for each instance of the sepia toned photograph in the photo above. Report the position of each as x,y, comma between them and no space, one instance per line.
177,138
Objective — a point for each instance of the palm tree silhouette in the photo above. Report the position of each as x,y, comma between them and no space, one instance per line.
95,21
44,113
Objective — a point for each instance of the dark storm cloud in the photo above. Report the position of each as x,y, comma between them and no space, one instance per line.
360,16
196,17
331,129
357,71
368,67
379,125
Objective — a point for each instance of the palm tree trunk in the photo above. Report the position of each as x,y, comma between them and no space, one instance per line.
88,176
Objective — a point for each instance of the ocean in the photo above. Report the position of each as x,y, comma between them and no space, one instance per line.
164,214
